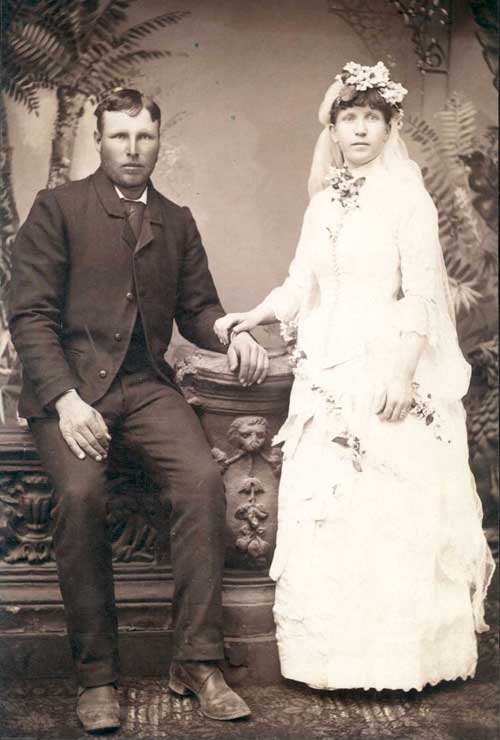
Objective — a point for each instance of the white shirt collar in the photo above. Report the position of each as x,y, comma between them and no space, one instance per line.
143,198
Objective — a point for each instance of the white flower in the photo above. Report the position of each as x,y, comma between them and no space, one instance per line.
363,78
394,93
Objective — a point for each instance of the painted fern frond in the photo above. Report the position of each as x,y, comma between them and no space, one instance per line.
37,51
424,136
102,24
114,65
466,296
457,128
135,34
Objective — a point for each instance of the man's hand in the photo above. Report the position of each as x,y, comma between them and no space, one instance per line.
245,355
82,427
393,401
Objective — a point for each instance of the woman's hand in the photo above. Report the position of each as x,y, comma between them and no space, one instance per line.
234,323
393,401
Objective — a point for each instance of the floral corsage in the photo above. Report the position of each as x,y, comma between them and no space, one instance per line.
345,187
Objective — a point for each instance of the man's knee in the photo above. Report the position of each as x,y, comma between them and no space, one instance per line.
80,495
203,489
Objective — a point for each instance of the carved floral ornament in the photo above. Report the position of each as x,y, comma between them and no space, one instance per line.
25,502
25,521
250,436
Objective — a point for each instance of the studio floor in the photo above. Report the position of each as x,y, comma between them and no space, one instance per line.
44,709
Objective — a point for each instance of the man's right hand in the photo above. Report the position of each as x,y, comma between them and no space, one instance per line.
82,427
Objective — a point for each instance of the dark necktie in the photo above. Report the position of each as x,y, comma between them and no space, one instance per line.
135,214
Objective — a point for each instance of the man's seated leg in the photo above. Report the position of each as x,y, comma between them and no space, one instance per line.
167,435
83,556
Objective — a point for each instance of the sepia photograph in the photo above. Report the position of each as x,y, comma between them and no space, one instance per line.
249,400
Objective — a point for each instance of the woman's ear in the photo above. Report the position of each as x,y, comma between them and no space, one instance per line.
333,135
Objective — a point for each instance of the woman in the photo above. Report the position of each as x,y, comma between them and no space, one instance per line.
381,563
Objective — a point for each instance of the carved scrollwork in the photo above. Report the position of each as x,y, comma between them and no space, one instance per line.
25,504
429,21
137,518
134,509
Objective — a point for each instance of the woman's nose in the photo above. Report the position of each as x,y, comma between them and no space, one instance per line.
360,127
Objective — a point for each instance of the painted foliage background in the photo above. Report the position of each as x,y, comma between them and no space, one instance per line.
239,89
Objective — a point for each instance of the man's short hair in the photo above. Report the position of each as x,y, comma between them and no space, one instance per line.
128,100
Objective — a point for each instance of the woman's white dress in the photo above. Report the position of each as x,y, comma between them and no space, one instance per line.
381,565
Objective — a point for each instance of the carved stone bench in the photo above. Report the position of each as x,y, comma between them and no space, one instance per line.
239,424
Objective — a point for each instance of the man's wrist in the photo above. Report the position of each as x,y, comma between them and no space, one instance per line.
64,397
243,335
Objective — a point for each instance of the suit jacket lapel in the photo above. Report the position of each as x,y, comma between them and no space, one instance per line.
111,202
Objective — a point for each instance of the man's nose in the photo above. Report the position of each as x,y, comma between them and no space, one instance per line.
132,147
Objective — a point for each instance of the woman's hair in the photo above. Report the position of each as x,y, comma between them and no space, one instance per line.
128,100
370,97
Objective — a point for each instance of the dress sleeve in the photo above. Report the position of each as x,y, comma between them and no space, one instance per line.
287,299
426,307
423,276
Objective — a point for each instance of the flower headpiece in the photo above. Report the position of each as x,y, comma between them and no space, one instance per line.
358,78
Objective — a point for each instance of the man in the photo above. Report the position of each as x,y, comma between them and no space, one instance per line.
102,266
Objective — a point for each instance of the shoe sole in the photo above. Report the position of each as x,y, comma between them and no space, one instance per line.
99,726
176,687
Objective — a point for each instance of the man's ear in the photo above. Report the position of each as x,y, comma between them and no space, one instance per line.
97,140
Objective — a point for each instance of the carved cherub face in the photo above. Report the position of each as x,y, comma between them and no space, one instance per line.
248,433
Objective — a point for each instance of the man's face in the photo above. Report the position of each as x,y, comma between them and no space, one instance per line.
129,148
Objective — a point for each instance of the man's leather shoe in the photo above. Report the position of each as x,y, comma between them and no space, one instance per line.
98,708
205,680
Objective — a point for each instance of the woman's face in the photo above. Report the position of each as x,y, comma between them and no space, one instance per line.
361,133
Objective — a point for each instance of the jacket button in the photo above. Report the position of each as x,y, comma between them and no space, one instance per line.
102,373
118,337
130,297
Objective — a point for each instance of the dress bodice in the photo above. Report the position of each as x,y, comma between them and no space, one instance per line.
365,274
355,264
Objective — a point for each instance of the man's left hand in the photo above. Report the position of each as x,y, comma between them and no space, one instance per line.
248,358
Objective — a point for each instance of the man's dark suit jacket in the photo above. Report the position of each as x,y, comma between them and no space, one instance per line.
78,283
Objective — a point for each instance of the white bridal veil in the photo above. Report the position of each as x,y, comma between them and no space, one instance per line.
444,348
327,153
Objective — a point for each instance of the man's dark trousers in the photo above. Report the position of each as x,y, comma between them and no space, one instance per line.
153,421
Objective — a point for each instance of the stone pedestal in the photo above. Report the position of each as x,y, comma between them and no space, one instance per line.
239,423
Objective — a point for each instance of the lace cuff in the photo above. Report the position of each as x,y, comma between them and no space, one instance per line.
418,314
284,303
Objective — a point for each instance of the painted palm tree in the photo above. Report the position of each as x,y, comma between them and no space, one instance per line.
20,85
77,48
